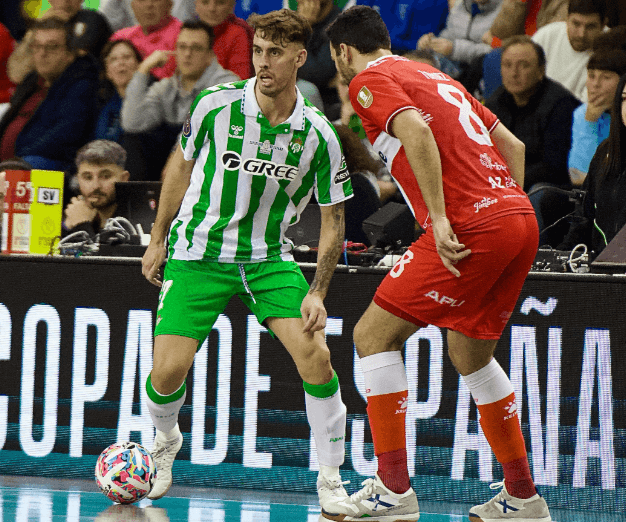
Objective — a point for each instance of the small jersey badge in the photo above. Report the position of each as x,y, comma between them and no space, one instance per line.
187,127
365,97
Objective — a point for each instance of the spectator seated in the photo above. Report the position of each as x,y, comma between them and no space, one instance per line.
157,112
52,111
6,48
539,112
233,36
157,30
120,13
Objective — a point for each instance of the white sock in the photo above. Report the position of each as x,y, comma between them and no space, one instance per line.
165,416
384,373
327,418
489,384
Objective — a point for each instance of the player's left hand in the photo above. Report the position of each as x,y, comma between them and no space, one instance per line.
151,262
448,247
313,313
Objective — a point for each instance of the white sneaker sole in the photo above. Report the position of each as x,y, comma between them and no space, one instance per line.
474,518
384,518
157,497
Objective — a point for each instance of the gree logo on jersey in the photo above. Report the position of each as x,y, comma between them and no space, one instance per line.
258,167
343,174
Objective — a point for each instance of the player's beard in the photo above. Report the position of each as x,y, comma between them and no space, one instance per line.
345,70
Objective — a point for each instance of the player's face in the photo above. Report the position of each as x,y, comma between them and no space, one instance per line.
97,183
582,30
120,65
276,66
193,55
214,12
346,71
151,12
521,72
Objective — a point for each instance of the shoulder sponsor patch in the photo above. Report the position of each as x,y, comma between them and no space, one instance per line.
187,127
343,174
365,97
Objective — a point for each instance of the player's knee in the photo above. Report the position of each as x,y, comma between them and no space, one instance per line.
363,340
314,364
167,376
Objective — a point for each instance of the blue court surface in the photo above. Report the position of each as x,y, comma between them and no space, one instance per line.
28,499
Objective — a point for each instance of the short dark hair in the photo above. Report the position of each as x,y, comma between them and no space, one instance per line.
199,25
101,152
524,39
360,27
55,23
588,7
282,27
613,148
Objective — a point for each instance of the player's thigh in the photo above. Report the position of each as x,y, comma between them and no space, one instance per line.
380,331
192,297
276,290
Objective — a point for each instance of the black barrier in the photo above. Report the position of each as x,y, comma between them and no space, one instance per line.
75,348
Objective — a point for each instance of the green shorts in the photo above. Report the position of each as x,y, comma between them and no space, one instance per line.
195,293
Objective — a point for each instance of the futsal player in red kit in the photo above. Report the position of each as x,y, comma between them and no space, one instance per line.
461,172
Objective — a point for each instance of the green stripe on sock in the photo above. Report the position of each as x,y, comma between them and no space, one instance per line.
157,398
323,391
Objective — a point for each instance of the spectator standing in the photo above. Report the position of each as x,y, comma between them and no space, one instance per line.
245,8
6,48
525,17
120,60
602,213
154,115
89,32
592,120
319,68
408,20
99,165
538,111
157,30
568,44
233,36
120,14
461,41
52,111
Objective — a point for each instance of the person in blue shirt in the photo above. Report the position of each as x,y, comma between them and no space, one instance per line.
408,20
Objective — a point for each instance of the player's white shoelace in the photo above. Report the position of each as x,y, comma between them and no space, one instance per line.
368,490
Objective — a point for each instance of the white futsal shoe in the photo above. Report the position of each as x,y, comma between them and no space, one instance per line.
164,452
375,503
330,490
506,507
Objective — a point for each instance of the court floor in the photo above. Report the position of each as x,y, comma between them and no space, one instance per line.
33,499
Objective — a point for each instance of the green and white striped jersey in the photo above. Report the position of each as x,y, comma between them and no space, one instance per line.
251,180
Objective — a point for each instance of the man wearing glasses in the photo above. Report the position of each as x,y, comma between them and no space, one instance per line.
52,111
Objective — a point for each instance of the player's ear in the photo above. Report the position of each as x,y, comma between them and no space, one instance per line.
300,61
125,176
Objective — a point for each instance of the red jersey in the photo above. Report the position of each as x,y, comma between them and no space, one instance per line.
477,183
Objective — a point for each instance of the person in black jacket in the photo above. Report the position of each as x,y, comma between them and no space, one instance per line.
602,213
52,111
539,112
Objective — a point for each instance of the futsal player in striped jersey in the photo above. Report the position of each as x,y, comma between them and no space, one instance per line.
251,155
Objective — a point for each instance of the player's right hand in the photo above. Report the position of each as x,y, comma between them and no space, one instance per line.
448,247
152,261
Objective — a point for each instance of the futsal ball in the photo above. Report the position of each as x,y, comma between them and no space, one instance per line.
125,472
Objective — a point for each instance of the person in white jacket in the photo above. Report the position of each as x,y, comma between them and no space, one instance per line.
461,39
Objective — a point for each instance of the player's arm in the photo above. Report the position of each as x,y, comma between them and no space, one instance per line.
513,151
332,232
422,153
175,184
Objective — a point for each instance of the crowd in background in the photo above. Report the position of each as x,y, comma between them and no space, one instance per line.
127,71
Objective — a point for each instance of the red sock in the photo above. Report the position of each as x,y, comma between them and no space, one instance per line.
500,424
387,415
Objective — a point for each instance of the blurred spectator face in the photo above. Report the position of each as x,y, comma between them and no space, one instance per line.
601,84
97,183
151,12
214,12
50,53
65,9
193,54
520,69
120,65
582,30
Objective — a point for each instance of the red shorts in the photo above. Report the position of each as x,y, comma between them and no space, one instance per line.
478,304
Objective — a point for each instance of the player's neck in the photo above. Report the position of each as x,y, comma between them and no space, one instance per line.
360,61
277,108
